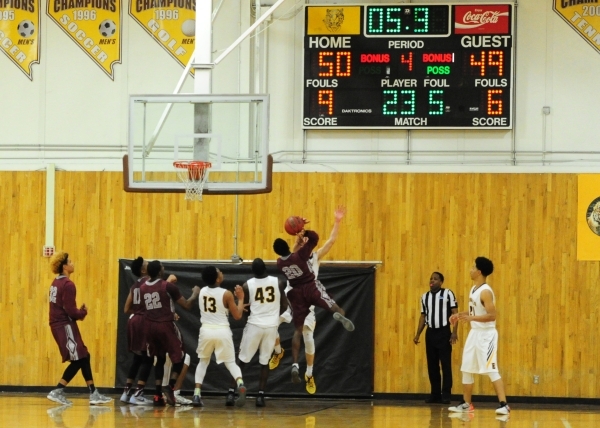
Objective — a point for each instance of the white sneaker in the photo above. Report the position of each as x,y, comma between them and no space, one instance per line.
58,396
348,325
97,398
125,396
140,400
503,418
181,400
462,408
503,410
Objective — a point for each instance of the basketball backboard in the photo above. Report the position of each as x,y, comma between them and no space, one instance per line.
229,131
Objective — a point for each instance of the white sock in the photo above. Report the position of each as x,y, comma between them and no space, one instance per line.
309,371
278,349
296,365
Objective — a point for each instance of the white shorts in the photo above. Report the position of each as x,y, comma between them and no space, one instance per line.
310,321
219,341
257,338
481,352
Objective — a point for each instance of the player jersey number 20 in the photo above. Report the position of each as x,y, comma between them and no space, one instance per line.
292,271
152,301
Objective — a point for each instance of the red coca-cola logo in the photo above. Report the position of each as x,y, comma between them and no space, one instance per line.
482,19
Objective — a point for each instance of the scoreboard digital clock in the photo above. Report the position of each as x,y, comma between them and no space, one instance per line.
408,66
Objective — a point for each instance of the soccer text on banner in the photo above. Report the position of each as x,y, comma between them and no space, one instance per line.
20,33
94,25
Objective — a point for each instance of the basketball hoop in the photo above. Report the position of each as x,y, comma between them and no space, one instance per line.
193,174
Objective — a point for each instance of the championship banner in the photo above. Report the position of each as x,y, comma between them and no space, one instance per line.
20,33
588,217
94,25
171,23
583,16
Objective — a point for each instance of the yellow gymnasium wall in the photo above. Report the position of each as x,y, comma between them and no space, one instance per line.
414,223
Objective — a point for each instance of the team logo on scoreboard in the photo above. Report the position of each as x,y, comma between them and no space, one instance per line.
327,20
480,19
334,18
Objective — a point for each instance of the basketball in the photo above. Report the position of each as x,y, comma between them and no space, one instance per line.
294,225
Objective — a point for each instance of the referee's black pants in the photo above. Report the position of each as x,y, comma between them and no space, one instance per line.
439,352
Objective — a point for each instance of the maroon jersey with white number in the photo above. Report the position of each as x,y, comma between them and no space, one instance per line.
158,298
63,308
297,267
137,306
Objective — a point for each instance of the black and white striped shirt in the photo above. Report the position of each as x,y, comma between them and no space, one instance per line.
437,307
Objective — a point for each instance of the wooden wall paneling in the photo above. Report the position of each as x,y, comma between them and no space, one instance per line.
414,223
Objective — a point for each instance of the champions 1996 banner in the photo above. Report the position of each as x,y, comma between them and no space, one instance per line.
20,33
171,23
94,25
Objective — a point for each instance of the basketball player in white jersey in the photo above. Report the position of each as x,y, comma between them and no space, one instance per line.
215,333
267,300
481,348
310,322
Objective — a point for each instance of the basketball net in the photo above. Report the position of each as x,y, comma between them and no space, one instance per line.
193,174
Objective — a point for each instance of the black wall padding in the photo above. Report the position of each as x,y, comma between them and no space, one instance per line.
343,360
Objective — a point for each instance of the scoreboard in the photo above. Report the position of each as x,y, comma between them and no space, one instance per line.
408,66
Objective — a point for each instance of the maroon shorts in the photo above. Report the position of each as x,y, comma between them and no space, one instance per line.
163,338
135,334
70,343
303,297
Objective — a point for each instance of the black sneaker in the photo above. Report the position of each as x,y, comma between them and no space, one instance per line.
159,401
295,375
260,400
433,399
197,401
170,396
445,399
230,400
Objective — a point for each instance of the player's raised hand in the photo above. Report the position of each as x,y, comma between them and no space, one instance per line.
172,279
339,213
239,292
83,308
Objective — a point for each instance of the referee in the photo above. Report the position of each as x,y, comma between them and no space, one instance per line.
436,307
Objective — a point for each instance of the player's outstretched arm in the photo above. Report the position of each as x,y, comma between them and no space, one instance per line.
187,304
339,214
283,301
237,311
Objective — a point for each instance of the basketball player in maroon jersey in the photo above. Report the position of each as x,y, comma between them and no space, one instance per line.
142,362
306,289
162,335
63,322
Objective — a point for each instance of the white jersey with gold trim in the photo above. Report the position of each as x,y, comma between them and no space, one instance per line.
264,298
476,307
212,309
